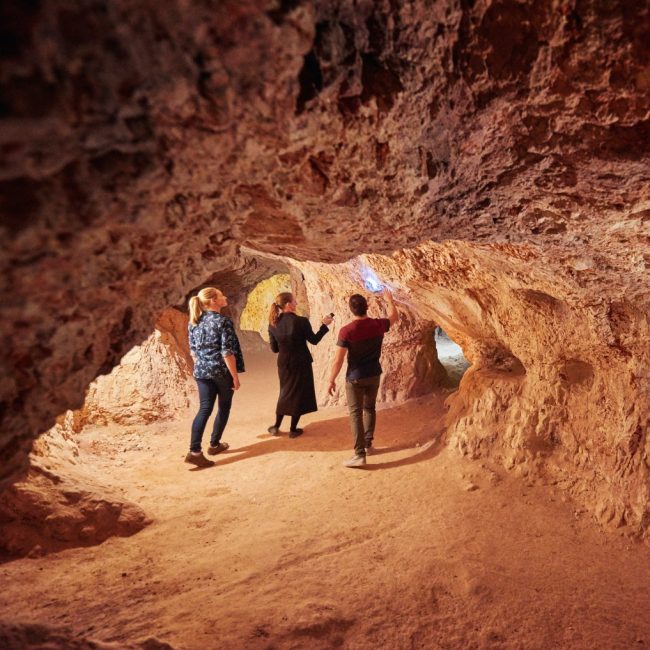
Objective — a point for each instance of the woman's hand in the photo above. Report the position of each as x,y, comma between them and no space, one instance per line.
331,389
235,383
327,320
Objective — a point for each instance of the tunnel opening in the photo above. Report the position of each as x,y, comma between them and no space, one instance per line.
255,315
451,356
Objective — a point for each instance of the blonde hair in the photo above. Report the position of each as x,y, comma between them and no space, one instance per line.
198,303
281,300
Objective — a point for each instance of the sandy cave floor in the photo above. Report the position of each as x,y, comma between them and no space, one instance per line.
279,546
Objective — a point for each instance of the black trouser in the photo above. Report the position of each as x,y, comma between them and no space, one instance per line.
209,390
362,395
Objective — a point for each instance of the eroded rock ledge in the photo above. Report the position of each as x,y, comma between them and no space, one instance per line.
29,636
60,504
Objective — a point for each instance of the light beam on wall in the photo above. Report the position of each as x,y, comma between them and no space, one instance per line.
370,280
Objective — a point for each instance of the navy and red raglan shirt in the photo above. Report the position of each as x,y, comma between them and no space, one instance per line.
363,339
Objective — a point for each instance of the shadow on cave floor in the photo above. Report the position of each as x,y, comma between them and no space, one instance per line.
330,435
398,432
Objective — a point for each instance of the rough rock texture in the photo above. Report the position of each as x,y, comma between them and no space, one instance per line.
42,637
152,382
559,381
140,145
60,504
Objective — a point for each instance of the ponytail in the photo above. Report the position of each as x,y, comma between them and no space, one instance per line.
196,309
274,314
281,300
198,303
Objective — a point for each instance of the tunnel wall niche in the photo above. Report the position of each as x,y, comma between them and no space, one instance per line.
153,381
255,315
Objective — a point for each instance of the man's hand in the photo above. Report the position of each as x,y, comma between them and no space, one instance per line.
339,357
392,310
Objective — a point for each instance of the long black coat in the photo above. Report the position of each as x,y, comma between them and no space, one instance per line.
289,339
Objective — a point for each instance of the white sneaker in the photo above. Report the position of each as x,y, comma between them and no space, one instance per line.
356,461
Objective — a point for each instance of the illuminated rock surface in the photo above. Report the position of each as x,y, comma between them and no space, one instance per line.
255,316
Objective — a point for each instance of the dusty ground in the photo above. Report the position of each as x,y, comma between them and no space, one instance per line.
279,546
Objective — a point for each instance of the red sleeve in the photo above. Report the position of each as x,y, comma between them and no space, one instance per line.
385,324
342,341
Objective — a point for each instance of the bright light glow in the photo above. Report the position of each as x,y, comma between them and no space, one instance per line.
370,280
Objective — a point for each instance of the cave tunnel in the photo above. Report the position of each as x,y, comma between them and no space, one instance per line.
487,162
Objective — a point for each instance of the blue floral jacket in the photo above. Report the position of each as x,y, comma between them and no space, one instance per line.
211,339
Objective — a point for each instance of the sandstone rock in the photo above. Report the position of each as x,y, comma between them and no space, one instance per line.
153,381
255,316
38,637
60,504
409,361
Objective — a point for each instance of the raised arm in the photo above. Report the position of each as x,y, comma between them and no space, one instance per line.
314,339
392,310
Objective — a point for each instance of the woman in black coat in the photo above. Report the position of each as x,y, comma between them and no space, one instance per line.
288,335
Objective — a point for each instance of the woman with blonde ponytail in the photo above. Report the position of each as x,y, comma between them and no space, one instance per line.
288,335
218,360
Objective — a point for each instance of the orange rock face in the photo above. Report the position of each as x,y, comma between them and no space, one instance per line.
153,381
60,504
504,146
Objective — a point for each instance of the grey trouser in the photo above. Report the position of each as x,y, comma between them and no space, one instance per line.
362,395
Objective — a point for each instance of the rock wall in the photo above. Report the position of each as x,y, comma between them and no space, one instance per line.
142,144
409,360
559,384
60,504
152,382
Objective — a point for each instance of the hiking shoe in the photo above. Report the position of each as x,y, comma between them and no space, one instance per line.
356,461
198,459
294,433
222,446
273,430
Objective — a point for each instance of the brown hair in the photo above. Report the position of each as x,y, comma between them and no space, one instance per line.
281,300
358,305
198,303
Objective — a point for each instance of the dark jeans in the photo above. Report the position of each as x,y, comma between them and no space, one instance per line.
209,390
362,395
